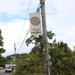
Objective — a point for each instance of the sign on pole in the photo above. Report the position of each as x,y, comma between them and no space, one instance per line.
35,24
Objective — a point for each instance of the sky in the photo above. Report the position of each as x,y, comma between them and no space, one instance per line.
14,22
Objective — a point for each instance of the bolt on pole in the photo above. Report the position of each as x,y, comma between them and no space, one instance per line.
45,41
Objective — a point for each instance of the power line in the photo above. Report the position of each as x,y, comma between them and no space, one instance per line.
23,40
24,22
50,13
23,29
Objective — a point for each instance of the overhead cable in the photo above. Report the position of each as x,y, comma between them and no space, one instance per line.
23,40
24,22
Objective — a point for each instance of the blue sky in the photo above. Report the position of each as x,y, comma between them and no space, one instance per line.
60,19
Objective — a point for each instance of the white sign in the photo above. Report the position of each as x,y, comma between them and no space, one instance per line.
35,24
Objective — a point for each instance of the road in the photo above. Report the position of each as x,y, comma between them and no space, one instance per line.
2,72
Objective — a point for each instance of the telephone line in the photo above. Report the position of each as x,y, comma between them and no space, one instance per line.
23,29
23,40
24,23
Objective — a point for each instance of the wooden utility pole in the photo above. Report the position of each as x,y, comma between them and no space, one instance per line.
42,2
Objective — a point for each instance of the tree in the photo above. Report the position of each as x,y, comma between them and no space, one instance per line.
2,60
38,42
62,58
2,50
62,62
30,64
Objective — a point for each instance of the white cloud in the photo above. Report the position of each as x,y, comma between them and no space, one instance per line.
12,6
60,20
12,32
16,7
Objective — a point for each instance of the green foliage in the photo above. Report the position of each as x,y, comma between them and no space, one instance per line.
38,42
2,50
30,63
1,43
2,60
39,39
8,58
62,58
14,72
1,39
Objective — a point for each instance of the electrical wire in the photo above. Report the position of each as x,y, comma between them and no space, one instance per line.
24,22
50,13
23,29
23,40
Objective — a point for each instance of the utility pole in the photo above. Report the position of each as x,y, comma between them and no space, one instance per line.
42,2
15,50
11,60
